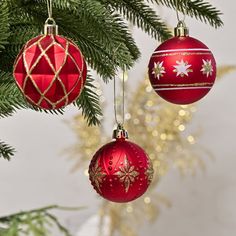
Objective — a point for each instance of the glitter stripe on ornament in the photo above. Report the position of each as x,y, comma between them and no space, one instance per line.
181,85
56,74
183,88
182,53
183,50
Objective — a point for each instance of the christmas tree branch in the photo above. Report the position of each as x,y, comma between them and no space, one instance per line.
39,210
59,225
34,222
146,19
89,103
6,151
200,9
11,98
4,25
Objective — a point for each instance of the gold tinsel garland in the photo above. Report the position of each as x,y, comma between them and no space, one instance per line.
160,128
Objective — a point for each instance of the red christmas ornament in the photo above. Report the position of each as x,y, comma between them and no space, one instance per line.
50,70
182,70
120,171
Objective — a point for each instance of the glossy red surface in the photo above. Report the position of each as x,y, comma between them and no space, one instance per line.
190,56
50,71
120,171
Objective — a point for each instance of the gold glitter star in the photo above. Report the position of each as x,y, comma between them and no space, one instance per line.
127,174
149,173
97,175
207,67
158,70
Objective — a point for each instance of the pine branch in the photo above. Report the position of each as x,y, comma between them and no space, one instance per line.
20,34
200,9
64,230
36,222
6,151
11,98
4,25
89,103
146,19
39,210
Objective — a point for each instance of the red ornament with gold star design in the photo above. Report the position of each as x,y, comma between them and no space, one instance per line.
50,70
120,171
182,70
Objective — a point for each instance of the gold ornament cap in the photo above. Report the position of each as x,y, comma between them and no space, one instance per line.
50,27
181,30
120,133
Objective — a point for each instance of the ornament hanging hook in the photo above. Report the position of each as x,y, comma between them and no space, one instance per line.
177,9
181,30
121,123
50,19
178,17
114,89
50,26
120,132
49,5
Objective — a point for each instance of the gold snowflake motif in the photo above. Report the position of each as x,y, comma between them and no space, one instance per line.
182,68
97,175
158,70
127,174
149,173
207,68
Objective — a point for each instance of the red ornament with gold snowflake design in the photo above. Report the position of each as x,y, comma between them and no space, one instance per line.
182,70
50,70
120,171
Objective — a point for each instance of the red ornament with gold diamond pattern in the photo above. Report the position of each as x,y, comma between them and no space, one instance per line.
50,70
182,70
120,171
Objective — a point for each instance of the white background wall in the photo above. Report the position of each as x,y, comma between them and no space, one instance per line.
204,205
